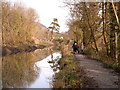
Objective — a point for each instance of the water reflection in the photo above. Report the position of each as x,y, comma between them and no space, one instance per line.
18,70
26,70
54,63
44,80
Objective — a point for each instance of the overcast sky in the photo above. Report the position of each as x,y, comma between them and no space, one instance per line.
47,10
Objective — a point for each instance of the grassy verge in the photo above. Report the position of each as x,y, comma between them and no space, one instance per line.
70,74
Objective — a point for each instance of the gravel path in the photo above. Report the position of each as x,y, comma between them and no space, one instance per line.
105,78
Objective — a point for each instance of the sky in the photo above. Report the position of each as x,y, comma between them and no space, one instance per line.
47,10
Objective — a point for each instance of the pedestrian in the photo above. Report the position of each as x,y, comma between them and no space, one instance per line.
75,47
82,47
71,42
79,48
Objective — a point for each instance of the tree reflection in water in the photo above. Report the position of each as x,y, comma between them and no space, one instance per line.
54,62
18,70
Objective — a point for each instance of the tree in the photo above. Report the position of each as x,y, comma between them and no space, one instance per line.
18,24
116,27
99,25
54,27
104,7
82,13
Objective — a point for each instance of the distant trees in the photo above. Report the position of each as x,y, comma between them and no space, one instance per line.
18,24
96,25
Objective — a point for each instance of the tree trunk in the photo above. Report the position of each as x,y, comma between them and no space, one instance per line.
104,26
116,33
91,29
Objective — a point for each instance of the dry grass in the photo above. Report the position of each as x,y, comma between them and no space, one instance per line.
70,75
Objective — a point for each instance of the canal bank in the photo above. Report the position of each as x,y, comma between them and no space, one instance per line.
7,50
70,74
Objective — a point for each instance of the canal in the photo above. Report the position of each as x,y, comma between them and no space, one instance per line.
29,69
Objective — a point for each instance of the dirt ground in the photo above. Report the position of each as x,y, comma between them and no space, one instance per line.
102,77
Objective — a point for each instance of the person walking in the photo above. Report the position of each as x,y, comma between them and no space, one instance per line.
82,47
75,47
79,48
71,42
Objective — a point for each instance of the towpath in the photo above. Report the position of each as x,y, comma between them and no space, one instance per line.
103,77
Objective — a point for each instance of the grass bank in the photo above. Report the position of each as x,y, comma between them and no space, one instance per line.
70,75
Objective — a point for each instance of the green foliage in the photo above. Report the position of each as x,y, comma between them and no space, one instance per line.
54,25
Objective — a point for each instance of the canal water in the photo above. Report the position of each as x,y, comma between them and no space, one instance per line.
29,70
